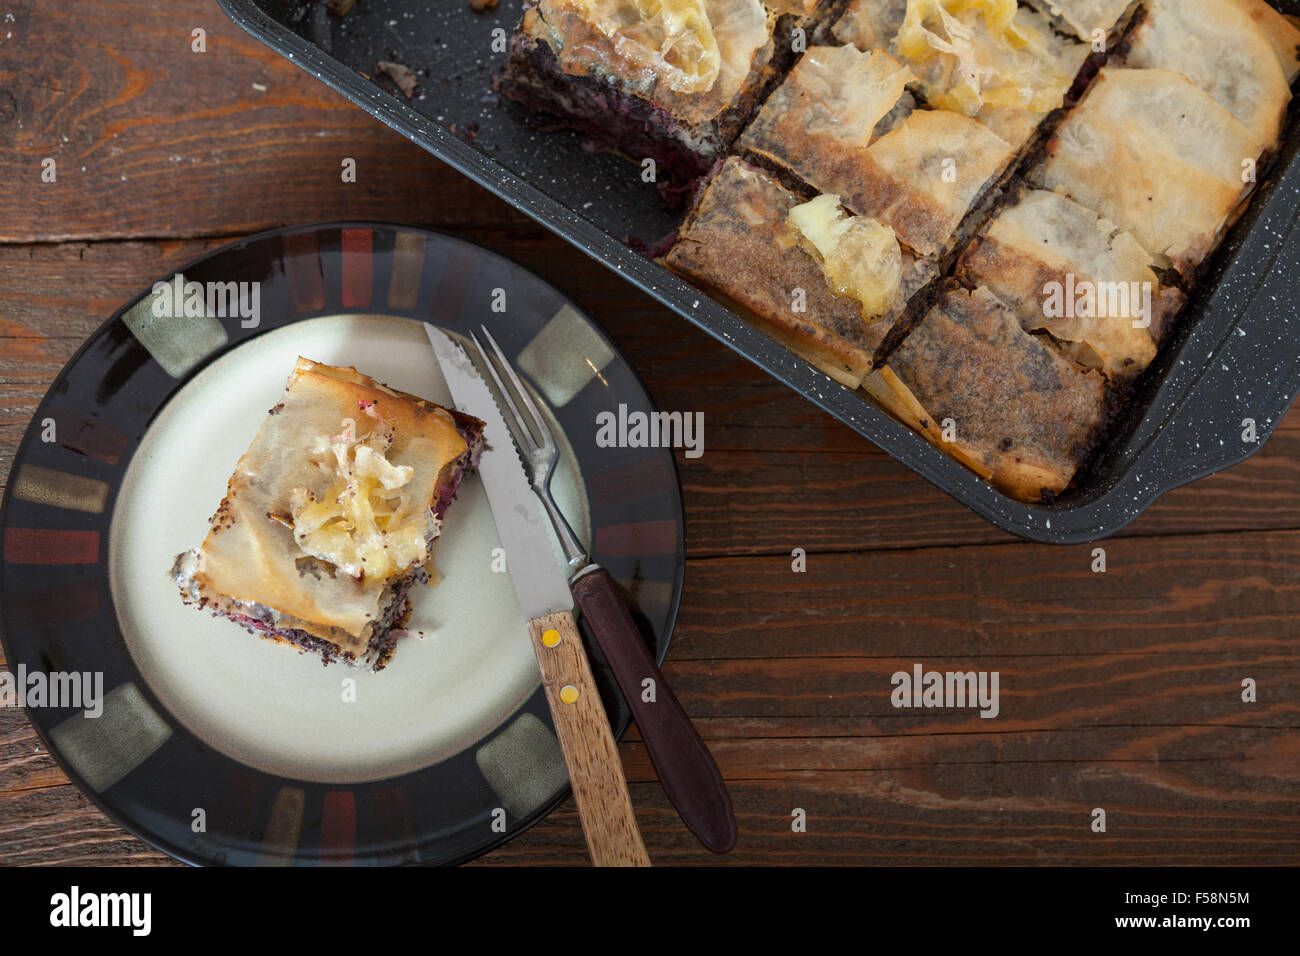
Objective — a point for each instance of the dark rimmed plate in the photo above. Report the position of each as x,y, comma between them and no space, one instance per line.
217,747
1211,398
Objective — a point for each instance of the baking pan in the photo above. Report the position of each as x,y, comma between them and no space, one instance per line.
1211,398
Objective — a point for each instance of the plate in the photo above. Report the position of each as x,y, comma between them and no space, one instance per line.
221,748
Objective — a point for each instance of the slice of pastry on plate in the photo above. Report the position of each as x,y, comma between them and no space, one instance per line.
331,515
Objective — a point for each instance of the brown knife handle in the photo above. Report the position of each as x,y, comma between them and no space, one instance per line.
595,771
686,769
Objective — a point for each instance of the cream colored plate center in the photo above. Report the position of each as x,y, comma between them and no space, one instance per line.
263,703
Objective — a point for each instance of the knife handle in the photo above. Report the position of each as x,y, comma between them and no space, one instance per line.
686,769
595,770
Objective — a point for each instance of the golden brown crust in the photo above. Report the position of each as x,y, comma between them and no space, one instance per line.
1065,270
1223,48
736,243
584,50
920,178
250,559
1085,16
1018,413
1156,155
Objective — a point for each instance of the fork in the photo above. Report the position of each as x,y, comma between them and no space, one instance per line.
687,771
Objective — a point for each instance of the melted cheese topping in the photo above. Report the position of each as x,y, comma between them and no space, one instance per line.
860,257
673,38
976,53
364,523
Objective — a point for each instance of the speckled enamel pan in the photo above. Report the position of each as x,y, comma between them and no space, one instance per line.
1235,356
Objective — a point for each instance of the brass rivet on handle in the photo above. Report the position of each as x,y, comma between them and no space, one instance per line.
550,637
568,693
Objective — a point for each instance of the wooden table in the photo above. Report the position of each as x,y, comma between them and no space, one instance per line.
1120,690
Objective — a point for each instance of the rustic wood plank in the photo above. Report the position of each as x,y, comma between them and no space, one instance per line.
1119,690
1176,595
777,472
152,139
1173,809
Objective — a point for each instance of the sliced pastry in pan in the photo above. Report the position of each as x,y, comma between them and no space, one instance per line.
331,514
993,61
1064,270
1228,50
827,285
673,81
834,123
1001,401
1155,154
1283,32
834,100
870,24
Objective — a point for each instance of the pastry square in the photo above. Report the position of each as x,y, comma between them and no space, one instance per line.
1155,154
1242,53
829,287
331,514
992,61
1001,401
672,81
1064,270
1088,19
841,123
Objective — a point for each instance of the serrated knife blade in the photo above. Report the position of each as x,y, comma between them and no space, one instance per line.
541,582
539,574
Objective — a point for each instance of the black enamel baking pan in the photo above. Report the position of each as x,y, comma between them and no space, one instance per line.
1213,395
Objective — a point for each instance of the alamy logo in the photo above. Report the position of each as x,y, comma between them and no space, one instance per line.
75,908
219,300
651,430
1085,299
922,688
58,689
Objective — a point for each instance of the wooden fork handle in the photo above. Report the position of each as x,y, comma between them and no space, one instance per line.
595,770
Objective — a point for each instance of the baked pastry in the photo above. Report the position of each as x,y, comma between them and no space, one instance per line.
1088,19
1064,270
1156,155
1242,58
987,59
838,125
827,285
673,80
1076,187
331,514
999,400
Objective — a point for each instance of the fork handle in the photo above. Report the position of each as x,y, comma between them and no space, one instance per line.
595,771
686,769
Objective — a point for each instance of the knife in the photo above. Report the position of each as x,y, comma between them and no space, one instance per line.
541,584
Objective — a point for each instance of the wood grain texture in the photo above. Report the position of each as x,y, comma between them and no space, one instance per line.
150,138
590,751
1119,690
762,442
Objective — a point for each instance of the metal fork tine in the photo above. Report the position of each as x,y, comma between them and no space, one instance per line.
518,424
538,420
